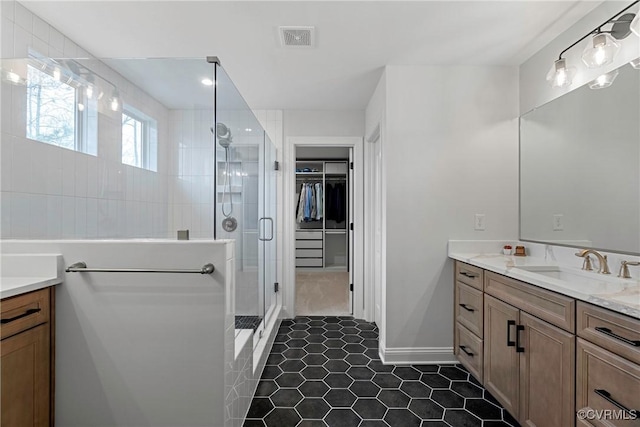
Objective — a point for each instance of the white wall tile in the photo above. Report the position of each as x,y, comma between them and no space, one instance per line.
54,217
23,17
6,163
56,39
81,216
20,216
5,214
21,173
7,37
68,217
40,29
7,9
68,173
38,216
21,41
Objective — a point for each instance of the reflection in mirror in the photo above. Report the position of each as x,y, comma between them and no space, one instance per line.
580,168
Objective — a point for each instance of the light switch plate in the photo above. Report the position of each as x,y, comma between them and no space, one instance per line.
479,222
558,223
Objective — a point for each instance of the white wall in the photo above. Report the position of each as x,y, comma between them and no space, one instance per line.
450,151
323,123
534,89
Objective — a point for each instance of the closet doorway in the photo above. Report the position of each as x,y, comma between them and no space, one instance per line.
323,231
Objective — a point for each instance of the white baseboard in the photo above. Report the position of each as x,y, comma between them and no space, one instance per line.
416,355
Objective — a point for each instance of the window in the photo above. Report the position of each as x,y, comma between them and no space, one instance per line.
57,112
139,139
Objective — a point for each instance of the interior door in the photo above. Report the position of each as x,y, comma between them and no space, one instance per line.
350,231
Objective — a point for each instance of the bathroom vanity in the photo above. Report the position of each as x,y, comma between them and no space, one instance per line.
549,349
27,334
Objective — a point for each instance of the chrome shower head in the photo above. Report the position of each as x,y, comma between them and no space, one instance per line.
224,135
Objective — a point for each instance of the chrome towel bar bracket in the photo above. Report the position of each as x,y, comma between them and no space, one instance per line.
79,267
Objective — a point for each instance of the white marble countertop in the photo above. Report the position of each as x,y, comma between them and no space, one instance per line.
13,286
608,291
29,272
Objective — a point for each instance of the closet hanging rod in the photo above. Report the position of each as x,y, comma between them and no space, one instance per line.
81,266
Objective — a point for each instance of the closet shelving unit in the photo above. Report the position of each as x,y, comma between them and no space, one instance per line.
323,244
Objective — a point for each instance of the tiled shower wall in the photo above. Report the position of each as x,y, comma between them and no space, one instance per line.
50,192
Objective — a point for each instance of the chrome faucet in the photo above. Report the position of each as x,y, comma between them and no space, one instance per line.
624,269
603,267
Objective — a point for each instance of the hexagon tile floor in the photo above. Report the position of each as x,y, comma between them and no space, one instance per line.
325,371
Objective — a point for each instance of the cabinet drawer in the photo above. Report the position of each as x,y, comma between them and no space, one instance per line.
308,244
469,350
469,308
612,331
546,305
469,274
308,235
23,312
308,253
603,379
308,262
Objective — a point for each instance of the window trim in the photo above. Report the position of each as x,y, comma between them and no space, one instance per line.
148,123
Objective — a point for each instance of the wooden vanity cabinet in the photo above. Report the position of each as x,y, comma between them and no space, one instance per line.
468,323
529,363
608,369
27,360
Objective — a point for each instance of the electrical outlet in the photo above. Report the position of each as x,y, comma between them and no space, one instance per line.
558,223
479,222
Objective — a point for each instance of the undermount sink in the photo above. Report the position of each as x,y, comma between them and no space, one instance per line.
588,282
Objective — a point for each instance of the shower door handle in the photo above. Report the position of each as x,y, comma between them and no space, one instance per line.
261,229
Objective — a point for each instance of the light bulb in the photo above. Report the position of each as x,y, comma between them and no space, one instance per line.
560,75
635,63
89,91
207,82
13,77
600,50
56,73
604,80
115,103
80,106
635,25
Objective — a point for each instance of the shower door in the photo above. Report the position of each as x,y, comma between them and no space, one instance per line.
269,228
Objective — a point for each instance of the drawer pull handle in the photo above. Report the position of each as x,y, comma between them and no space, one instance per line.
469,275
466,307
608,332
519,349
464,349
20,316
607,396
510,323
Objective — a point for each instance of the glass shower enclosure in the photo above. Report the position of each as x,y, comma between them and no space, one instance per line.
157,146
246,203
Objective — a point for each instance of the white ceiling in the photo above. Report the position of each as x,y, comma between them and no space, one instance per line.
355,39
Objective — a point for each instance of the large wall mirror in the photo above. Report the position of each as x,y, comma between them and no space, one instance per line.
580,168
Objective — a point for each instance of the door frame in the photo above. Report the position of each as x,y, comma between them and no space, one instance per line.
361,307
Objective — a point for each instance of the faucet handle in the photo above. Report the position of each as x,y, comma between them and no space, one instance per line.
586,264
624,269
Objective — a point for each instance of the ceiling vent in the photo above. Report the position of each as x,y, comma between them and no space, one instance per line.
297,36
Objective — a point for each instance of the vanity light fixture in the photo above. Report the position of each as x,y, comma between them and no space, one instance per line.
601,49
604,80
207,82
114,102
560,75
635,25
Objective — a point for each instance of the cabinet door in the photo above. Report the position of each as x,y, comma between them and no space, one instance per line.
500,359
547,366
25,378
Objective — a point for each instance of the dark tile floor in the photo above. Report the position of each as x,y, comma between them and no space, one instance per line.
248,322
325,371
